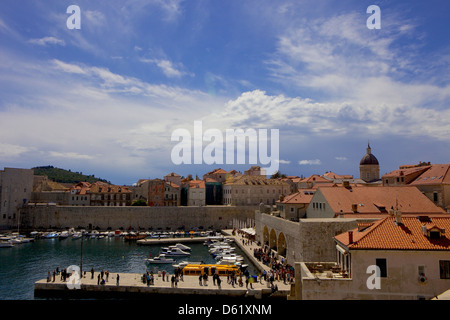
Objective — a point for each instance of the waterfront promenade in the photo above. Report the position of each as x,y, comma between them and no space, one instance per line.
131,283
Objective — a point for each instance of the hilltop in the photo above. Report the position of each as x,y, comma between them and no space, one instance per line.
65,176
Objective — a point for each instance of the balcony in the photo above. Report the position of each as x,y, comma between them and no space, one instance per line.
326,270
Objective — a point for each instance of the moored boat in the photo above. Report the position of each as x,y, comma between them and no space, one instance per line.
160,259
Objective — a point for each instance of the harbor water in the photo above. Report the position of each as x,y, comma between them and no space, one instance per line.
24,264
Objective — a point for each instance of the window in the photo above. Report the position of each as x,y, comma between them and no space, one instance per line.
381,263
444,269
435,196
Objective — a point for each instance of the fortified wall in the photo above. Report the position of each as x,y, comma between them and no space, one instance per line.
305,240
165,218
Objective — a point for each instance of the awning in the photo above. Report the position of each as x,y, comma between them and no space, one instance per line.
249,231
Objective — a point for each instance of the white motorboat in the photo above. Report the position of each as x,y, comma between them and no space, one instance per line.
231,256
76,235
51,235
174,252
6,244
160,259
182,247
63,235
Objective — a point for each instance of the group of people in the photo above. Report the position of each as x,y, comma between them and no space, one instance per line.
65,275
101,277
279,270
51,277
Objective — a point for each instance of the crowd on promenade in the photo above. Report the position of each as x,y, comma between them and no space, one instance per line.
279,269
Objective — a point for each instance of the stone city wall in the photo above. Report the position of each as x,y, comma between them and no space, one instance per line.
52,216
306,240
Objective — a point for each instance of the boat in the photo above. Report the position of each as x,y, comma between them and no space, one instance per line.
76,235
135,236
160,259
50,235
6,244
63,235
174,252
182,247
229,256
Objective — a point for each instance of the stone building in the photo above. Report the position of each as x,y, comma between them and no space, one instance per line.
433,180
156,191
394,258
196,193
171,194
251,190
103,194
368,202
293,207
369,168
79,194
173,177
16,186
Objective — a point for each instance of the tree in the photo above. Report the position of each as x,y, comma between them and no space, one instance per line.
139,203
278,175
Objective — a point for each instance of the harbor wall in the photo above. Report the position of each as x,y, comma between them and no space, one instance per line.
165,218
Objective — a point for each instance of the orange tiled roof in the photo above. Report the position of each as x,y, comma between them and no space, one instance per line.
315,178
332,175
406,171
436,174
372,200
303,196
196,184
386,234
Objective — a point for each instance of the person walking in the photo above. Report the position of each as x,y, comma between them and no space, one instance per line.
117,279
218,282
92,273
98,279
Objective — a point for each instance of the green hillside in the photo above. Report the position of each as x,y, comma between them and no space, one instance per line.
65,176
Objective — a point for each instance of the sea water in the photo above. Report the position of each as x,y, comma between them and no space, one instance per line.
24,264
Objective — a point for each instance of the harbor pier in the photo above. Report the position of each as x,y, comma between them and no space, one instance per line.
131,285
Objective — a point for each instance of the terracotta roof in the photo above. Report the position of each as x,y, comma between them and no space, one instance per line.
303,196
436,174
315,178
174,185
332,175
406,172
172,174
376,200
386,234
196,184
255,180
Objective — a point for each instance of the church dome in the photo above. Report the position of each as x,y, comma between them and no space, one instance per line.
369,158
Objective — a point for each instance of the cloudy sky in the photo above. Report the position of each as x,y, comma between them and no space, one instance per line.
105,99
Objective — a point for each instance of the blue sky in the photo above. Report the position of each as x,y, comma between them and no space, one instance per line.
106,98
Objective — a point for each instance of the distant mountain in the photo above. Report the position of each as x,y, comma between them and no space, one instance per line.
65,176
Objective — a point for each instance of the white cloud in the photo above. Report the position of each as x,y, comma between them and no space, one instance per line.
167,67
341,158
310,162
11,151
283,161
47,41
71,155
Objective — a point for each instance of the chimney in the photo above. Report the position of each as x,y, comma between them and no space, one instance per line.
355,208
350,237
398,216
346,184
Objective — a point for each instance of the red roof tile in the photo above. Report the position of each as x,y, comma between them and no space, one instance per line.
386,234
